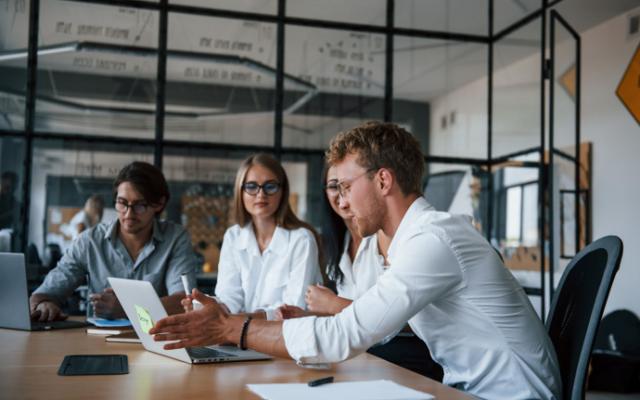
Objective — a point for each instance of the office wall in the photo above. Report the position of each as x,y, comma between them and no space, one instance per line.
616,147
606,52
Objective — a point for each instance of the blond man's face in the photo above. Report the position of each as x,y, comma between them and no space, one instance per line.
360,197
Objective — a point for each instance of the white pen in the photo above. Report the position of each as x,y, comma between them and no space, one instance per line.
185,284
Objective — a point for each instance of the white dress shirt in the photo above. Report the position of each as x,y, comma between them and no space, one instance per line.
358,276
449,283
250,281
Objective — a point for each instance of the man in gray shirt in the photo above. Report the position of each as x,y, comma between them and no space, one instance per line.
135,246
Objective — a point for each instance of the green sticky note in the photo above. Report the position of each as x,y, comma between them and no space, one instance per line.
144,317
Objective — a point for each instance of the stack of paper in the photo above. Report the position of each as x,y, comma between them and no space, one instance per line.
360,390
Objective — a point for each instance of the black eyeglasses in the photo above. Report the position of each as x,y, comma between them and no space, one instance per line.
138,208
332,186
269,188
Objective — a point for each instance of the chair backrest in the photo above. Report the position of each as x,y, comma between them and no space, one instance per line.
577,308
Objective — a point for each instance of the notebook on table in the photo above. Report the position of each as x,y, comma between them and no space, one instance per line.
124,337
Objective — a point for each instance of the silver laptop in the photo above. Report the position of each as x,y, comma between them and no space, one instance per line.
143,308
14,298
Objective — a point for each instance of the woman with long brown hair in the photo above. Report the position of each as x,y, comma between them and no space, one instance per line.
269,257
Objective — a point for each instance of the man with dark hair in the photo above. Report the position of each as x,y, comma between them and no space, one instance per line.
444,279
135,246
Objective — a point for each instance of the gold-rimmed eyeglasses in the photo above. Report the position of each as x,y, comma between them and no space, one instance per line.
344,186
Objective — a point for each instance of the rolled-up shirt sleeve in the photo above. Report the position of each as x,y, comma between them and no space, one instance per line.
69,273
229,283
182,261
423,271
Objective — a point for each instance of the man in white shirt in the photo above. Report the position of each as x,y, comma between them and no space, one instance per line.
444,279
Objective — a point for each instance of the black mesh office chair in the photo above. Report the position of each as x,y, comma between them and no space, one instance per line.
577,309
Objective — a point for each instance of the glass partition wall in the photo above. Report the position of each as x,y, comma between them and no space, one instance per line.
195,86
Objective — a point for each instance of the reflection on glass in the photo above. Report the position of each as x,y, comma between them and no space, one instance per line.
347,68
453,16
112,51
370,12
12,151
14,23
516,231
201,187
458,189
64,176
221,80
304,172
564,95
516,94
509,12
252,6
446,80
513,214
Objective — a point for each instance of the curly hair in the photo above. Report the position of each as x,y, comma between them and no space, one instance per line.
382,145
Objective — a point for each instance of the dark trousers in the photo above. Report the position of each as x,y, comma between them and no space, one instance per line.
409,352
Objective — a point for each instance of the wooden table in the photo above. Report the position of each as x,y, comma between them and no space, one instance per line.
29,363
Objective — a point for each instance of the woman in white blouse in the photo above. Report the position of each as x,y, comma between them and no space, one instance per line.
269,257
354,263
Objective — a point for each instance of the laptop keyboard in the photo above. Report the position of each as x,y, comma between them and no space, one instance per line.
205,352
57,324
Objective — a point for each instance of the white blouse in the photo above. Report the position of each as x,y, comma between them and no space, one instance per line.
249,281
363,273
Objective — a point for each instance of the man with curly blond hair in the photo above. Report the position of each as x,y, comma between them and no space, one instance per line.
444,279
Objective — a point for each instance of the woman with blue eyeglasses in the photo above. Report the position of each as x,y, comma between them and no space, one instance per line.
269,257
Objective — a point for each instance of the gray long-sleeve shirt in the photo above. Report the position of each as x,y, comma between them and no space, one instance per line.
99,253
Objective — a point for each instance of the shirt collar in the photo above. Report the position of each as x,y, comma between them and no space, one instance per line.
417,208
112,231
247,240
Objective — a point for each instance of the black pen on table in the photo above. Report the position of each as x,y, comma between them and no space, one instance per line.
321,381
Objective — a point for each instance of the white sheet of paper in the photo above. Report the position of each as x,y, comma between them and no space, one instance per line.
360,390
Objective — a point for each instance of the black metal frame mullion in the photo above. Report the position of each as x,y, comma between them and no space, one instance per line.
509,156
578,163
161,83
521,184
577,166
389,57
455,160
525,20
552,91
546,180
279,100
29,117
490,197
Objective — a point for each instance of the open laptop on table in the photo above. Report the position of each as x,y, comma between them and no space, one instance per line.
14,298
143,308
